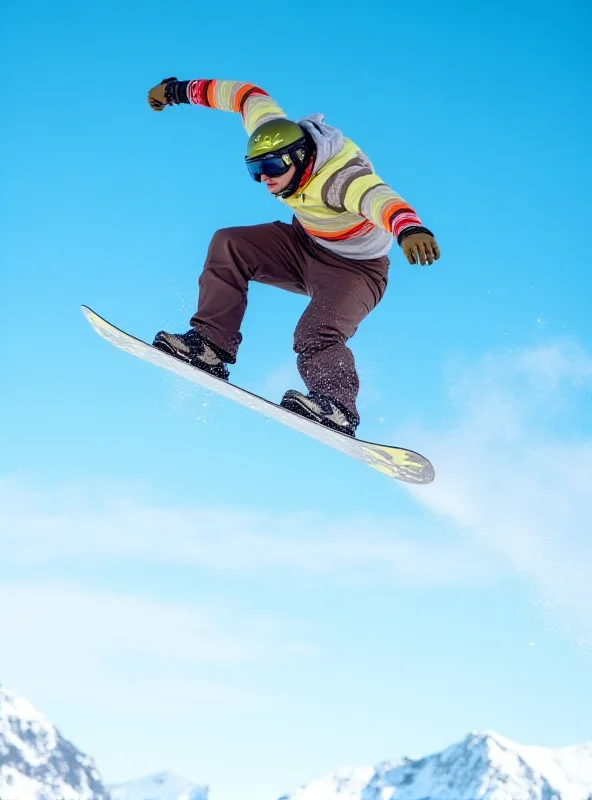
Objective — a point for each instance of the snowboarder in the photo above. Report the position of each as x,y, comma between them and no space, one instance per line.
334,251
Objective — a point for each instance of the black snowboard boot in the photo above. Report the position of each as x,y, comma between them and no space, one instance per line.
193,348
320,408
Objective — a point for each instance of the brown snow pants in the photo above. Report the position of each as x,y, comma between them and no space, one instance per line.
342,292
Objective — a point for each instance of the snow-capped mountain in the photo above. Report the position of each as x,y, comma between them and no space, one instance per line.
164,786
484,766
36,762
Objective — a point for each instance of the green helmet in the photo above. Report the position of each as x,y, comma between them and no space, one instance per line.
280,137
272,136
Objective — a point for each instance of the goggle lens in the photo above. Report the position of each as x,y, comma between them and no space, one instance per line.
272,166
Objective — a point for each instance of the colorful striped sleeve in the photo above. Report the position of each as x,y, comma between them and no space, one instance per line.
358,189
252,103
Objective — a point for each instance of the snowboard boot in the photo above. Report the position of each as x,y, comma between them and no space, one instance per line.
320,408
196,350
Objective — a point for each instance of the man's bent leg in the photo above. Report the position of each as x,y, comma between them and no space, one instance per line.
325,363
268,253
340,301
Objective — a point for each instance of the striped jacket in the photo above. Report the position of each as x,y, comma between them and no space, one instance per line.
344,206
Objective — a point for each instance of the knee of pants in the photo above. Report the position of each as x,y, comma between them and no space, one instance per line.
222,237
307,339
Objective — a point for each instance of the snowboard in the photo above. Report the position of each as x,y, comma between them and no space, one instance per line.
395,462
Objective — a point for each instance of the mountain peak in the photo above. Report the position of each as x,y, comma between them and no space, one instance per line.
488,738
14,705
36,762
161,785
483,765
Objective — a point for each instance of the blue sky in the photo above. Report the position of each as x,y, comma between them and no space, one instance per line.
186,585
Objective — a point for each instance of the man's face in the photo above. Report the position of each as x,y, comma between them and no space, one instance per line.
276,185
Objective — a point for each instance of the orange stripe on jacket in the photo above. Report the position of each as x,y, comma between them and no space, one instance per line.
336,236
389,211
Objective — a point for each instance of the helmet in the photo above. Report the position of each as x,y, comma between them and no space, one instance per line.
272,136
280,137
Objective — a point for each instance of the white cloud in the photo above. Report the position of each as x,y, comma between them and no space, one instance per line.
131,653
86,526
505,473
139,654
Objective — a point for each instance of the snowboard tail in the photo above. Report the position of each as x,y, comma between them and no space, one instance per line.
395,462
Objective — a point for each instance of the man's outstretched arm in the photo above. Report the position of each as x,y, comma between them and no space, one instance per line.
363,192
253,103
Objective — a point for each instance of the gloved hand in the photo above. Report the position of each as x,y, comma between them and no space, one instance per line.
420,247
156,96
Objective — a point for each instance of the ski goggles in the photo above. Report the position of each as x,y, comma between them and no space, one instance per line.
272,166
